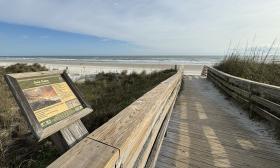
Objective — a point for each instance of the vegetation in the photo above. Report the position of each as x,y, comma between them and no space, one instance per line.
257,68
108,94
18,68
17,146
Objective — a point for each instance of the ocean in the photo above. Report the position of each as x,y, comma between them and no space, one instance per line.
178,60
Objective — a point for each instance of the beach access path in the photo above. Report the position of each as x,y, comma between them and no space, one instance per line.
208,130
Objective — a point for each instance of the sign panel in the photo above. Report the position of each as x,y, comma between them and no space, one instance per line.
49,100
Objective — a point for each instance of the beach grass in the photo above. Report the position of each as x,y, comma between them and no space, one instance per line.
110,93
263,68
18,148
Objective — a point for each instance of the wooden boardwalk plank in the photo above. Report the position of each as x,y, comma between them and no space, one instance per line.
202,133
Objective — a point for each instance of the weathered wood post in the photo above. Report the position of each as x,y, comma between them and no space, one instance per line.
51,104
204,71
251,103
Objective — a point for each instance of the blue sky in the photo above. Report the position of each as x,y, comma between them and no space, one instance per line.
135,27
29,40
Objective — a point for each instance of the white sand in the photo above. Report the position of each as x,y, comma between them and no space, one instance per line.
78,69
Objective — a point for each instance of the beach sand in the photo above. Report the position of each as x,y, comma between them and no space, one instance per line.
78,69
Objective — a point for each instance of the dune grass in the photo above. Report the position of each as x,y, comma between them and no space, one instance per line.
265,69
17,145
108,94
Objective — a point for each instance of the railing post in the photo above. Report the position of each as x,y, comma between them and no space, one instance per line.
251,103
204,71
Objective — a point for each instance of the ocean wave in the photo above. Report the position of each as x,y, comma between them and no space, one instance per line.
180,60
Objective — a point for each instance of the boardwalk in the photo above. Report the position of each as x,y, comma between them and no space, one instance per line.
205,130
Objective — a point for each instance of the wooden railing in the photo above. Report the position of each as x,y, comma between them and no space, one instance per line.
133,137
259,98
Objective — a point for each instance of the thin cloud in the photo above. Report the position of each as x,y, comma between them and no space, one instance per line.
161,25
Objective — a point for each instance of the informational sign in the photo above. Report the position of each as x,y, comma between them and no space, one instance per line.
48,100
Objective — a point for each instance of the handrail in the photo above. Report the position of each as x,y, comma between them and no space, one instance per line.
260,98
131,138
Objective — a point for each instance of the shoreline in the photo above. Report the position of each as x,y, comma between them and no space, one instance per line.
82,68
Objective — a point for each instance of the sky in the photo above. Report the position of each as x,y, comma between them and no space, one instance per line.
135,27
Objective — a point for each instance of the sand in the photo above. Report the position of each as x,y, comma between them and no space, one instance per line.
80,68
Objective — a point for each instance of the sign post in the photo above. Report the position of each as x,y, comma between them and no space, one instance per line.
51,103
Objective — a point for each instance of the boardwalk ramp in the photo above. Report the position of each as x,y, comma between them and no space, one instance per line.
207,130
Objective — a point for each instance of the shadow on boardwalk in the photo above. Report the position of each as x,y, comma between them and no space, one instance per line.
205,130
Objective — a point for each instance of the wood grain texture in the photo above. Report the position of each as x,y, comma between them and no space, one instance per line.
151,141
252,93
266,103
133,131
129,130
63,123
86,154
202,133
244,83
227,89
74,132
151,161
